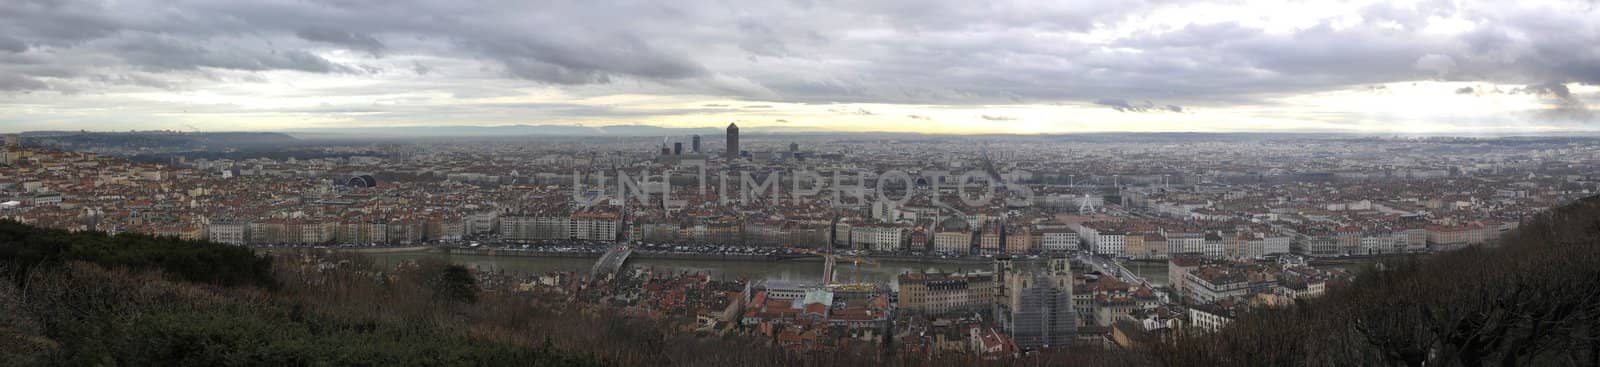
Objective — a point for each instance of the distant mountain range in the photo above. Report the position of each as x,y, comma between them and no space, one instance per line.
547,130
157,140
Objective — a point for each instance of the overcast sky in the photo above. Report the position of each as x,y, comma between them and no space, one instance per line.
1402,67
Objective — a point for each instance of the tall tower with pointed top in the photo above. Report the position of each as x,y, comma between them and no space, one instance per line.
733,141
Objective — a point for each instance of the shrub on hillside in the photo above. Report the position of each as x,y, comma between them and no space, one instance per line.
25,247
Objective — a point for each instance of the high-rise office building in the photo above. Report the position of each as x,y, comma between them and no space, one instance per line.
695,144
677,148
733,141
794,147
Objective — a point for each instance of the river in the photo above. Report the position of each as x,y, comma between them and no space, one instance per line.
799,271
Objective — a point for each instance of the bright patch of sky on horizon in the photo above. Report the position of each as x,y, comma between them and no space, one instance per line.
1385,67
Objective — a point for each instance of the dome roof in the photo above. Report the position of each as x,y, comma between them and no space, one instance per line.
362,181
954,223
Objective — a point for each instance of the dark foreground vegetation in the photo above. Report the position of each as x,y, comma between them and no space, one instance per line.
82,299
1533,301
24,247
78,299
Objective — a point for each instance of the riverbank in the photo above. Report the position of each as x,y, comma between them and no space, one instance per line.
388,250
512,252
698,256
1314,261
794,271
354,250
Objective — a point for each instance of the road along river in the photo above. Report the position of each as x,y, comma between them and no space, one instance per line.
792,270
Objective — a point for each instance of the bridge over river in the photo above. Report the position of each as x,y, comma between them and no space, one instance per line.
611,262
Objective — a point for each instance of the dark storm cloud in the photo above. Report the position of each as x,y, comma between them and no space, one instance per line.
561,62
14,83
528,42
1557,90
136,79
352,40
58,22
1123,106
760,40
166,54
473,111
12,44
877,51
1565,106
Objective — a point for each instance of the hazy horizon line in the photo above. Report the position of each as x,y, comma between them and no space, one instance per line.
443,131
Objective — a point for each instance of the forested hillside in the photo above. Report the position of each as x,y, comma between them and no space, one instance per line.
1534,300
83,299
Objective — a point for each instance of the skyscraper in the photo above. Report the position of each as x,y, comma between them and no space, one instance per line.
696,145
677,148
733,141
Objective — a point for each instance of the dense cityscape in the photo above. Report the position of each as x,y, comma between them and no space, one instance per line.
1231,221
776,183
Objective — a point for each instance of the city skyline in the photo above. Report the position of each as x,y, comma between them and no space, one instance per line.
799,182
1409,68
939,249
